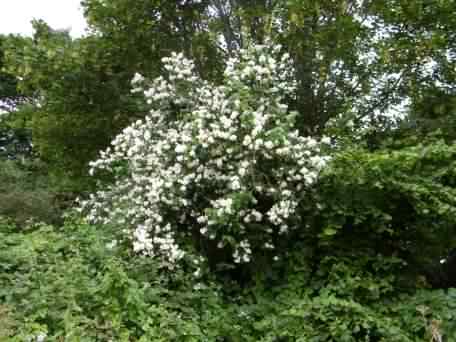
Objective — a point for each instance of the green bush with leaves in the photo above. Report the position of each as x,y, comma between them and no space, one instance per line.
26,192
75,283
396,201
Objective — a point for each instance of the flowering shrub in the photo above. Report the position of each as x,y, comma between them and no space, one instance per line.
222,164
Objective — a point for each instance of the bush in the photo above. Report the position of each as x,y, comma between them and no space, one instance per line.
390,202
214,173
76,284
26,193
79,283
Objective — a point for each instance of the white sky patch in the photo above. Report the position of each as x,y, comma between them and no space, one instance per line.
16,15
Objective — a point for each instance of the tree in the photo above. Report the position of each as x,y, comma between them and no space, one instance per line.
328,42
80,104
10,97
357,60
418,46
83,85
143,32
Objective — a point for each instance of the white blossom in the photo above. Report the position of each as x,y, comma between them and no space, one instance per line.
203,167
138,78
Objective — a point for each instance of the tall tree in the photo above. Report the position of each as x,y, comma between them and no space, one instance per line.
359,59
78,92
354,59
420,40
83,85
144,31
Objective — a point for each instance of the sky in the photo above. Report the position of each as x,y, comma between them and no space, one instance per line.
16,15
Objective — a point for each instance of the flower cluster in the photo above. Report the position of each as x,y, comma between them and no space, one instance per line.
223,162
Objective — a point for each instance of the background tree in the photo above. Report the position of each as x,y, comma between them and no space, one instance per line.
418,46
10,97
354,59
83,85
78,99
15,137
143,32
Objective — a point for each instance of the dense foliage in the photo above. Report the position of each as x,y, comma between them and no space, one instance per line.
226,162
9,94
260,170
74,284
26,193
355,59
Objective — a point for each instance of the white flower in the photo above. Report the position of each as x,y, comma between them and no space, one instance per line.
202,219
137,78
197,273
41,337
326,140
268,245
211,167
269,145
247,140
180,149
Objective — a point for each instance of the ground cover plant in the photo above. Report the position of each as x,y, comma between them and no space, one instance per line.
73,284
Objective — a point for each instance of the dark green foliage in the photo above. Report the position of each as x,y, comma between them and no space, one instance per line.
16,135
15,143
391,202
70,284
433,113
80,96
26,193
10,96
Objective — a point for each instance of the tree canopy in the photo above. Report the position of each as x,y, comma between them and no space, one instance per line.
356,60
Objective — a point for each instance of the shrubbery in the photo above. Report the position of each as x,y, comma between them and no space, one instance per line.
26,192
222,166
217,220
74,284
257,193
298,238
